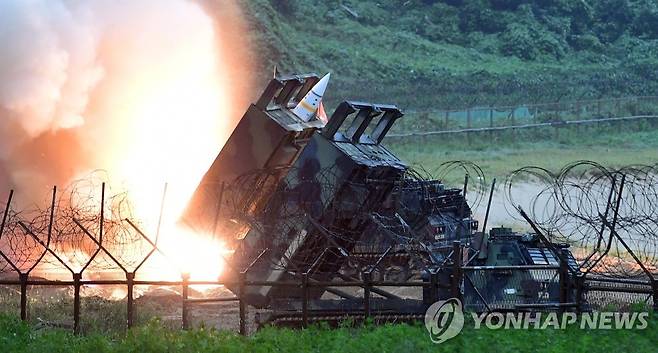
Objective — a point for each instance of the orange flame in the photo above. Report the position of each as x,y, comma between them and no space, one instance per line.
172,118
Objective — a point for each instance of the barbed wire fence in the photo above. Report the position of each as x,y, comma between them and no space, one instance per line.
607,213
516,122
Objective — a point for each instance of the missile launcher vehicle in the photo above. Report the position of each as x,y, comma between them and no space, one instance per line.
298,198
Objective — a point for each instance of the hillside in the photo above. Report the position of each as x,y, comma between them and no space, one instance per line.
449,53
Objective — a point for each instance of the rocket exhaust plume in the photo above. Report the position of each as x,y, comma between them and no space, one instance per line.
139,89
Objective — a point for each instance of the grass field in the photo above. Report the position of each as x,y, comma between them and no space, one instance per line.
609,146
16,337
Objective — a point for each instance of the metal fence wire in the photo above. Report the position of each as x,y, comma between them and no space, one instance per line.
498,119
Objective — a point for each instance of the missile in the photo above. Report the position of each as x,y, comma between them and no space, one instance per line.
308,106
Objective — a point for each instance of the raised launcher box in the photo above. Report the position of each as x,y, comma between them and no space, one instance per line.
338,180
268,136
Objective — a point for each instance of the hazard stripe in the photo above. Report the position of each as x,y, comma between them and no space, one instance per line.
307,106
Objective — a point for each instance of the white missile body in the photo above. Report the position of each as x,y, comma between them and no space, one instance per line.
308,106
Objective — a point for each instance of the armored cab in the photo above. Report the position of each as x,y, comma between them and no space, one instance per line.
505,247
508,279
269,136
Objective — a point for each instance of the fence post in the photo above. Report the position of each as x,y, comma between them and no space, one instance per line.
434,283
513,116
241,290
456,269
76,302
580,282
491,124
23,278
655,296
185,284
447,117
367,276
468,126
577,108
564,285
130,277
305,300
535,120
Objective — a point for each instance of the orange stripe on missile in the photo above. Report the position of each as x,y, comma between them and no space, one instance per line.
307,106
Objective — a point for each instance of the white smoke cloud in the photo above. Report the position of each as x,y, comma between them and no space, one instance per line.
48,63
133,87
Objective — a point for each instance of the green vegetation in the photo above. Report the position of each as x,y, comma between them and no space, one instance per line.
53,307
498,156
17,337
437,54
456,53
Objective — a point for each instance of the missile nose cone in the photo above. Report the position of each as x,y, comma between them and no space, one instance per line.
308,106
321,86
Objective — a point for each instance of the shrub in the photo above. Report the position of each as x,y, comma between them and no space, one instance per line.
529,42
585,42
